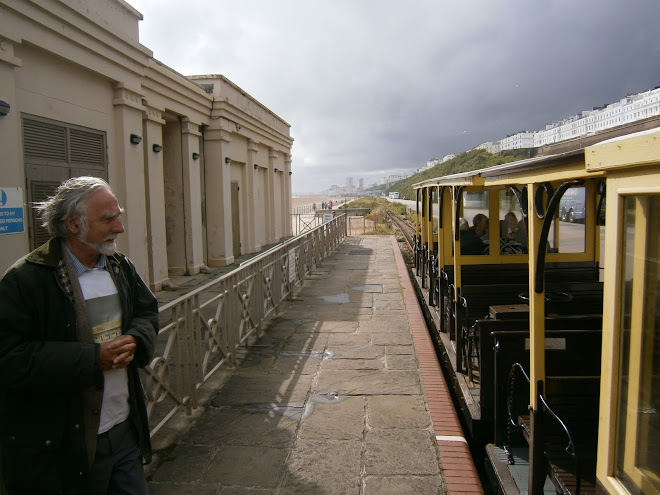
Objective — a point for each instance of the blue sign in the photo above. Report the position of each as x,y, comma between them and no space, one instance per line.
11,210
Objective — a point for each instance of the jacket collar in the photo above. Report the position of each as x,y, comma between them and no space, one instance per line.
50,255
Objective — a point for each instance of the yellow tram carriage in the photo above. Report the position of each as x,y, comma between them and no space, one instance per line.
548,321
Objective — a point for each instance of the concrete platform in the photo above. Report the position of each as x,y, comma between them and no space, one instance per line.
330,400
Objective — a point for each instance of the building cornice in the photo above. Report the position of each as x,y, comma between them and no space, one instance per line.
62,30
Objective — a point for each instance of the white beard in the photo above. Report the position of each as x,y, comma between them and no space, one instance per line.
107,248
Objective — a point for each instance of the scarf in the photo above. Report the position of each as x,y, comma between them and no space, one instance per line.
93,395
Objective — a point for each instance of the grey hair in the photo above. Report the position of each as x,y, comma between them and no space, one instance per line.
69,201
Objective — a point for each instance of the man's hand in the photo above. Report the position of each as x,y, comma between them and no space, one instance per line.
117,353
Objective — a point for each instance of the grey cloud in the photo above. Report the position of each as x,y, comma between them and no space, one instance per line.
383,86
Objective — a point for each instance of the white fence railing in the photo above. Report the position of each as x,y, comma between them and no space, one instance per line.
202,330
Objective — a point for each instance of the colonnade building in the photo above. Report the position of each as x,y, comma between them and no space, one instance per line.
201,168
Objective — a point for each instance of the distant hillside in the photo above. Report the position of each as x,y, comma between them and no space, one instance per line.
465,162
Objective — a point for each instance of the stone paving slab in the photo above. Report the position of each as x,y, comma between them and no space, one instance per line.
328,401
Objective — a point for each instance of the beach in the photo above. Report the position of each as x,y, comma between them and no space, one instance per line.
299,201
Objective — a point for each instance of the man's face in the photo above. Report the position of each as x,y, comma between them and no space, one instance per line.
481,227
103,223
511,223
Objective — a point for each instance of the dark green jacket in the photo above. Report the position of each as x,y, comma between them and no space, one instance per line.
43,369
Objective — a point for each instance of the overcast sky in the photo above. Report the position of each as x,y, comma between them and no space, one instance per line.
376,87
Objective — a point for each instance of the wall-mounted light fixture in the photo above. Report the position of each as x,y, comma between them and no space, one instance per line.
4,108
256,166
195,156
157,148
136,139
275,171
227,159
238,127
290,173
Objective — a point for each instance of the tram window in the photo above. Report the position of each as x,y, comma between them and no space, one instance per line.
513,231
572,213
637,457
474,240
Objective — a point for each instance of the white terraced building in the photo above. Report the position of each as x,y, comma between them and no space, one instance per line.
629,109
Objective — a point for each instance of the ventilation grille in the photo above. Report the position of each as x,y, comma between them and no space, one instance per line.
43,141
86,147
40,192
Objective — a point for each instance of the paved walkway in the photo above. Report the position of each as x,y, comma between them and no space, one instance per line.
328,401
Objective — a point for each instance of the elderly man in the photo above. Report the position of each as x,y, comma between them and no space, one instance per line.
76,322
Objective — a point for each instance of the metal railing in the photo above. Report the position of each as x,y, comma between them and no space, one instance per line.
300,210
203,330
302,223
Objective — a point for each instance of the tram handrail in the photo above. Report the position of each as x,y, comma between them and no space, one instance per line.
202,330
571,449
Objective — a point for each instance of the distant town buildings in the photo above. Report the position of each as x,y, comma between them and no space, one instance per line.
490,147
348,189
629,109
517,141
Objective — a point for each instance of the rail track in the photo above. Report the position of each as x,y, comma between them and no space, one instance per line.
406,229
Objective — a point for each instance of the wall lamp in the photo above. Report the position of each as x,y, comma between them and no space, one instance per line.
157,148
256,166
227,159
275,171
195,156
4,108
290,173
136,139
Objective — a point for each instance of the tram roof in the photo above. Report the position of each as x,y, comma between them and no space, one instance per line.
504,170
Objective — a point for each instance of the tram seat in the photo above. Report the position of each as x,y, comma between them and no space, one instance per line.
562,298
517,273
514,273
573,350
474,303
575,401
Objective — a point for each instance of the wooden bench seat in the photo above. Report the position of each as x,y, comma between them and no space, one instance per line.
575,401
517,273
570,298
573,349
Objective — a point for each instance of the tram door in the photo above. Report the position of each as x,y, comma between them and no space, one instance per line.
637,458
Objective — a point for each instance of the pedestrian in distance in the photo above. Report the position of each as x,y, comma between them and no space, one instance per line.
76,323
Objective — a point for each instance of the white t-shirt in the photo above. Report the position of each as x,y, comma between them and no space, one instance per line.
104,312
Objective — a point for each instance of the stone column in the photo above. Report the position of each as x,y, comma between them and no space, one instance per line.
126,174
249,219
218,198
192,197
270,197
288,231
155,195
